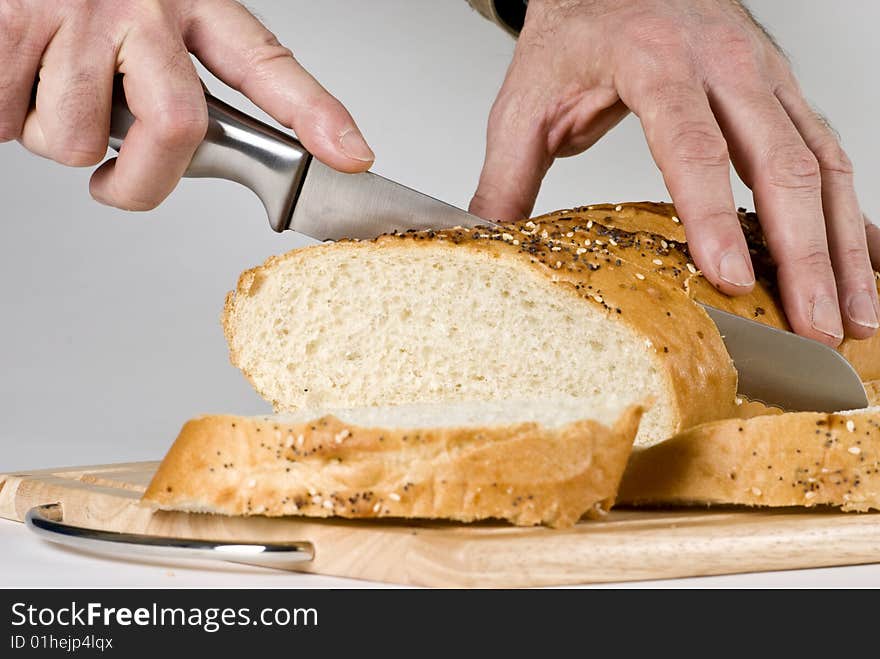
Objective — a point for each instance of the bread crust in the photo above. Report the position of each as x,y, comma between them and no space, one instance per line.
684,342
792,459
649,223
524,473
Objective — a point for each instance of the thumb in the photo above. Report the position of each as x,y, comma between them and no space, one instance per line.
516,162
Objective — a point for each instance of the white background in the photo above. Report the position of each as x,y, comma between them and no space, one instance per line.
109,332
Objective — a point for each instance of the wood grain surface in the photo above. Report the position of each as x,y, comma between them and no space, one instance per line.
626,545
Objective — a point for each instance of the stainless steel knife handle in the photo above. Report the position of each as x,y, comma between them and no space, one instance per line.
48,522
238,148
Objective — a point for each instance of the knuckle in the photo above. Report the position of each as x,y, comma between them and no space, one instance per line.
832,158
655,34
731,49
700,144
814,259
180,125
792,166
260,60
855,256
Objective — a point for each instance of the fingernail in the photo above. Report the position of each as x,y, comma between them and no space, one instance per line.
826,317
861,310
354,146
734,270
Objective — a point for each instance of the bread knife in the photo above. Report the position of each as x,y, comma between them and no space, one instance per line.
298,191
785,370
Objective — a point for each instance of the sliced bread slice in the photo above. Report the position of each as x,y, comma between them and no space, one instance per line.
526,461
792,459
476,315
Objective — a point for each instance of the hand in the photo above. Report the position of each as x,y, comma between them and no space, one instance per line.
73,48
710,87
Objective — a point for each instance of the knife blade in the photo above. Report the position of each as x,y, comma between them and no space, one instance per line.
298,191
332,205
785,370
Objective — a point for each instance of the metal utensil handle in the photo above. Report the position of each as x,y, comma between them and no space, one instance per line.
237,148
47,521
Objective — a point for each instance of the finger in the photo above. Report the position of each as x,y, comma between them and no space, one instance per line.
516,161
71,119
844,226
22,38
783,173
691,152
166,98
239,50
872,232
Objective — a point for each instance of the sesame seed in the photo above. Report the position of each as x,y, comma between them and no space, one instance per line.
544,234
376,507
675,219
589,208
559,264
530,224
851,425
569,234
598,242
581,250
756,491
855,450
618,208
612,242
394,496
657,262
342,434
289,441
312,491
590,224
691,268
300,439
664,244
587,243
556,249
598,299
506,236
515,242
809,495
639,275
316,500
328,505
739,401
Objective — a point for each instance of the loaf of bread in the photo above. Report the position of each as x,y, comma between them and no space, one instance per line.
793,459
537,308
596,301
526,461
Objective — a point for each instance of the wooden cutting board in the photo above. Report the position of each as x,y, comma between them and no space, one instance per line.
626,545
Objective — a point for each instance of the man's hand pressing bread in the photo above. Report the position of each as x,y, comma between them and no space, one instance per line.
73,49
710,88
